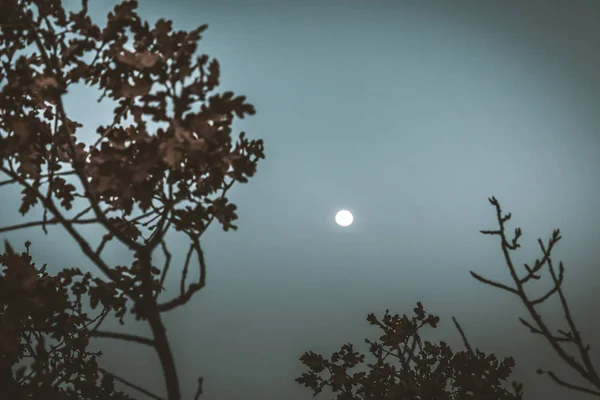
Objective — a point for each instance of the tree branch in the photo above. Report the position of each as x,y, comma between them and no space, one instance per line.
122,336
562,383
199,390
83,244
49,222
185,296
587,370
131,385
464,337
493,283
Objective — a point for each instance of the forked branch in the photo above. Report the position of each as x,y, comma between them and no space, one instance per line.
584,366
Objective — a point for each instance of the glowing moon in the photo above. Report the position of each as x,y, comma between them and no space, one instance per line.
344,218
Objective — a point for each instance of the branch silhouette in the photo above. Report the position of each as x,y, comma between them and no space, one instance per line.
584,366
430,371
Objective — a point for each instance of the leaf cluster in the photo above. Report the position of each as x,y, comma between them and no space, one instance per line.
404,366
44,332
176,169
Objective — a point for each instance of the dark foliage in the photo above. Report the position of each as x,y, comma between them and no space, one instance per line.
406,367
135,182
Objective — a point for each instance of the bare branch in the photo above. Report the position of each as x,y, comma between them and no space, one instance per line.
493,283
165,269
122,336
199,390
464,337
105,334
49,222
185,270
75,220
571,386
131,385
555,289
105,239
185,296
490,232
533,329
591,373
530,273
586,368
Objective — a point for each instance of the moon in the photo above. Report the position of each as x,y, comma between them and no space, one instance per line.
344,218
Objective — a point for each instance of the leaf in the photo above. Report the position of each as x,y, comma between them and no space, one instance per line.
313,361
29,279
45,82
126,57
162,28
309,380
22,132
64,191
141,88
181,134
146,59
8,249
171,154
30,165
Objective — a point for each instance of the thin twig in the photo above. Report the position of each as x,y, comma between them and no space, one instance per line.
587,370
122,336
578,388
131,385
53,221
185,296
108,129
493,283
165,270
185,270
83,244
199,390
11,181
464,337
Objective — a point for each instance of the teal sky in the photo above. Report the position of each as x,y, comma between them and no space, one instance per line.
409,114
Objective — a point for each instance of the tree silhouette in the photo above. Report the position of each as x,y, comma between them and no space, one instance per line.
135,182
418,369
558,340
406,367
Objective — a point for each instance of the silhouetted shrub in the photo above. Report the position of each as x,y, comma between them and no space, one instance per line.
39,309
405,367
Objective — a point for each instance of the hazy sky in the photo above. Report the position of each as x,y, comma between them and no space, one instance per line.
410,114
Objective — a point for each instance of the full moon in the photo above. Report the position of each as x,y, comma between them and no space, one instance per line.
344,218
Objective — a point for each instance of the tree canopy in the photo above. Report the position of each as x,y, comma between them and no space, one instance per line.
165,162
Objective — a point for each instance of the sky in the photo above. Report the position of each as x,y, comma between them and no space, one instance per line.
410,115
